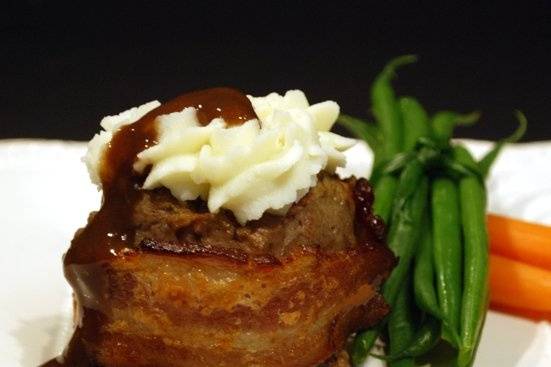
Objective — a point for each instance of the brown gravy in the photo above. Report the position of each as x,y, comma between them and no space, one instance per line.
109,232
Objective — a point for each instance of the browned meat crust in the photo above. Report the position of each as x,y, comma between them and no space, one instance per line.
190,310
200,290
323,219
338,360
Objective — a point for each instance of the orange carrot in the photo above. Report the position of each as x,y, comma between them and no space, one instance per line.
519,240
514,284
527,314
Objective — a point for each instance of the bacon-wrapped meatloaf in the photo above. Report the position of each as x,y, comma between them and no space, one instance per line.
160,281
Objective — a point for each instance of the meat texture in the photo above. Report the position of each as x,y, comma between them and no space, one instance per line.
198,289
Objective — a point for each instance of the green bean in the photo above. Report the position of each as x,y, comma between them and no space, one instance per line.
365,131
475,292
386,109
422,342
401,326
444,122
423,274
361,129
407,209
385,188
487,161
362,344
405,229
407,184
391,167
415,120
387,114
401,239
447,253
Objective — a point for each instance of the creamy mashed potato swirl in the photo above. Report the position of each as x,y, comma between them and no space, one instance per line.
263,165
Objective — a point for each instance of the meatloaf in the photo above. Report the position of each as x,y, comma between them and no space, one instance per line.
166,283
201,290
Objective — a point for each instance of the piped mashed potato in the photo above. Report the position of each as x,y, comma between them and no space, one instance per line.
263,165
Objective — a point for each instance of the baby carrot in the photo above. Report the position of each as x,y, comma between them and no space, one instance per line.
522,312
519,285
519,240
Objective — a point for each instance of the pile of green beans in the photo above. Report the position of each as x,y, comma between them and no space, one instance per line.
431,194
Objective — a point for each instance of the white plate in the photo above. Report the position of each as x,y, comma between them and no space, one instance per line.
45,195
